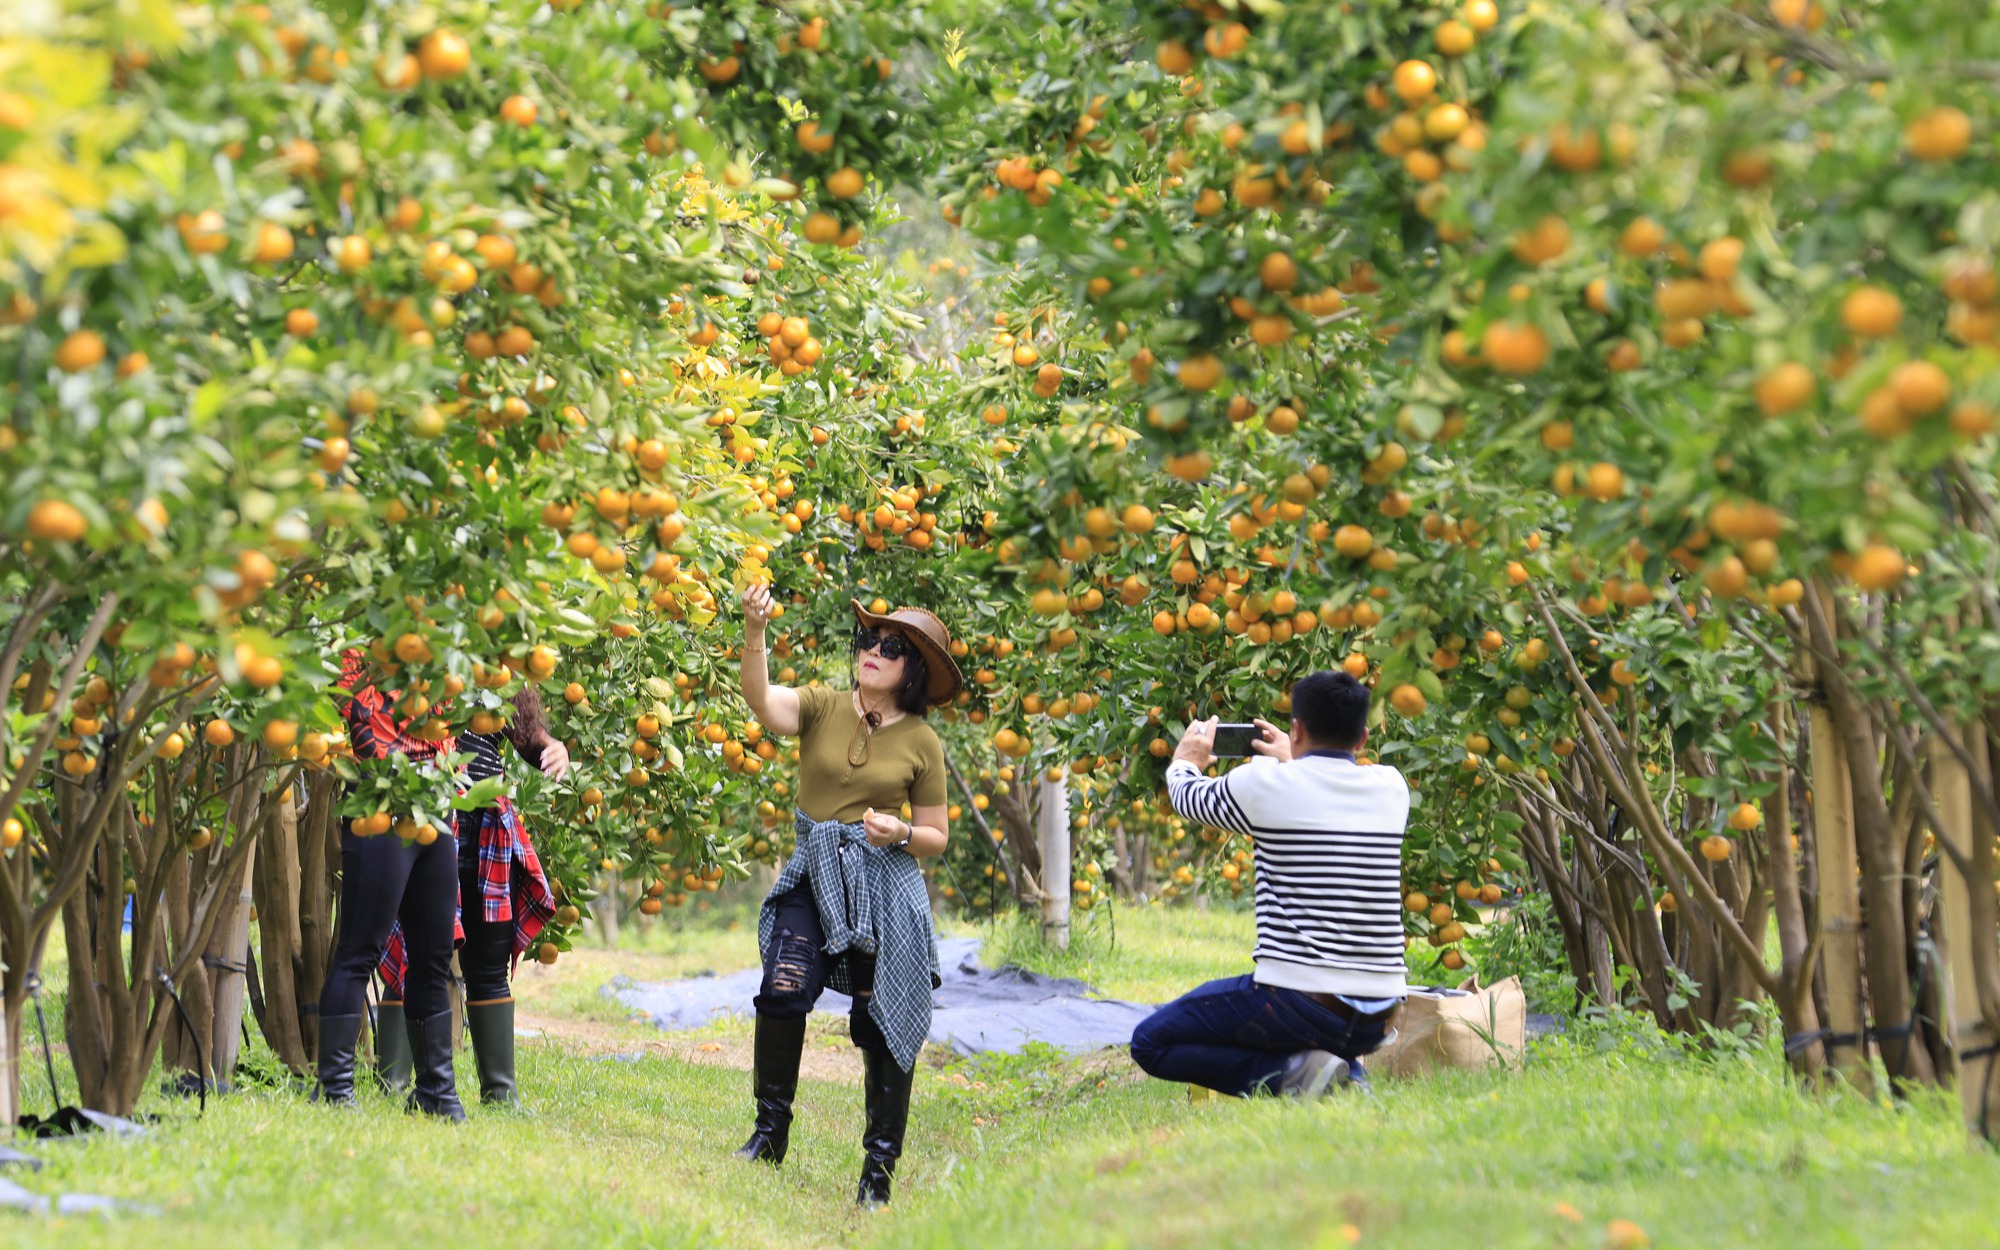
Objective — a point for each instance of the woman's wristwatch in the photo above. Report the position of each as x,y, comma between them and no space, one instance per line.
909,831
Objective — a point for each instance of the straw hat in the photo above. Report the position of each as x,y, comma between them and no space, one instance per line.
927,633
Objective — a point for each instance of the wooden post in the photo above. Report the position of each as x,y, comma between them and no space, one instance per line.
1839,904
605,912
10,1073
1052,835
229,952
277,886
1971,1032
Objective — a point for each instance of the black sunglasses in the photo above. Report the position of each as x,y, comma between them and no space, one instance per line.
888,643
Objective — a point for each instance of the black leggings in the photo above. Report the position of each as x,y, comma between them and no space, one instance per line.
488,952
796,969
383,880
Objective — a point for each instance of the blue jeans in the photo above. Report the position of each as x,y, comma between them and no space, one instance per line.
1234,1035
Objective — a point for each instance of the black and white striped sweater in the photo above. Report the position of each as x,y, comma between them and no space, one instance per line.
1328,841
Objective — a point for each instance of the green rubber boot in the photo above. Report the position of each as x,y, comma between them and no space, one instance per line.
392,1048
492,1027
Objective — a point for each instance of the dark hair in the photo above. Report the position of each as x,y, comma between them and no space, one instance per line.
1332,708
913,696
529,726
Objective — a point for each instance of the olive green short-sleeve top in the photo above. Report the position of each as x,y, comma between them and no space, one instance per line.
906,764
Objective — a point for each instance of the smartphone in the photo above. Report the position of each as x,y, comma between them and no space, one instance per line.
1233,741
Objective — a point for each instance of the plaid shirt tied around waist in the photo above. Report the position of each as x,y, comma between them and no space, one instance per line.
512,886
871,901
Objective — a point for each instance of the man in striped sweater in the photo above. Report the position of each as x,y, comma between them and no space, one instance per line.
1328,839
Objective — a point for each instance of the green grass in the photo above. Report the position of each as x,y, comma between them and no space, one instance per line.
1697,1154
1038,1151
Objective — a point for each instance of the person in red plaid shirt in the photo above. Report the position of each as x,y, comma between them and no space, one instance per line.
404,906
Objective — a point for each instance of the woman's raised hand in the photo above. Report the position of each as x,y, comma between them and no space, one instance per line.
756,608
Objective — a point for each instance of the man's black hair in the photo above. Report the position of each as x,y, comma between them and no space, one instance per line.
1332,708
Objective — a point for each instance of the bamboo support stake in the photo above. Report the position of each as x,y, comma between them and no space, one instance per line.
1839,904
1973,1034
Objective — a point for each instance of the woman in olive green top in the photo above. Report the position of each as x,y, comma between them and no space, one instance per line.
850,909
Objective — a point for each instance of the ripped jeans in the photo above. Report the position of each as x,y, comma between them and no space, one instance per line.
796,969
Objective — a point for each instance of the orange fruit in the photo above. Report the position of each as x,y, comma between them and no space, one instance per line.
1942,134
55,520
1201,372
271,244
1547,239
443,54
1786,388
1879,567
1514,348
1604,481
1270,329
82,349
1642,238
1278,272
812,138
519,110
398,73
822,228
1353,541
1173,57
1414,81
1744,817
1871,312
1408,701
1920,387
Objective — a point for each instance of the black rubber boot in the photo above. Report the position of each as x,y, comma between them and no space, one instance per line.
434,1091
337,1038
392,1048
886,1088
774,1081
492,1027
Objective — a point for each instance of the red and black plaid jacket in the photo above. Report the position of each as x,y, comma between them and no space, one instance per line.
512,885
372,727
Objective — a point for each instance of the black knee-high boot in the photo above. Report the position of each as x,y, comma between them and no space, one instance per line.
886,1089
435,1089
774,1081
337,1038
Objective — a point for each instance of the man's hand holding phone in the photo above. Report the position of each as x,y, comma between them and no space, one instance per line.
1208,740
1271,742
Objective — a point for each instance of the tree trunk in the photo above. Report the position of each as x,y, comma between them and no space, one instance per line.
83,1023
319,885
